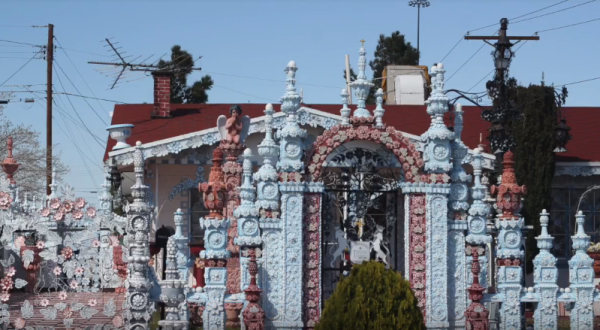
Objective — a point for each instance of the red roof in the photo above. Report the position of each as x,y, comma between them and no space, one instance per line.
188,118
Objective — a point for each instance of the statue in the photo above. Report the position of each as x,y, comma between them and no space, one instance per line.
235,129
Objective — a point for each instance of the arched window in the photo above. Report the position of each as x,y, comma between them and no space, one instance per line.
197,211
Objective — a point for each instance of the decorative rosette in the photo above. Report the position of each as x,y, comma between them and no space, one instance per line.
5,200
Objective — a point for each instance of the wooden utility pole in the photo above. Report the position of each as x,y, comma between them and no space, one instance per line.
49,60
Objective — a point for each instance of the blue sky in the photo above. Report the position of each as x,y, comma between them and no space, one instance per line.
257,38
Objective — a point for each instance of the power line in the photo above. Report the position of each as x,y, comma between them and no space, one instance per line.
231,90
271,80
570,25
89,97
467,61
80,51
554,12
94,110
578,82
459,40
7,79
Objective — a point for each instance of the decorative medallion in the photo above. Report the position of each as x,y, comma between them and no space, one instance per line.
440,152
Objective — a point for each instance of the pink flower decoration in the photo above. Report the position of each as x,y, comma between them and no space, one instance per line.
62,295
79,271
5,200
67,252
80,202
4,296
6,283
57,270
55,203
117,321
19,323
11,271
45,212
68,206
20,241
91,212
58,216
77,214
74,284
44,302
40,244
96,243
92,302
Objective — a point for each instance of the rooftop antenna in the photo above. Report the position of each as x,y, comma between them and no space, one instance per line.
124,66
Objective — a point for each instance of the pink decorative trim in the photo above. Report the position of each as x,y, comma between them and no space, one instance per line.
312,260
417,244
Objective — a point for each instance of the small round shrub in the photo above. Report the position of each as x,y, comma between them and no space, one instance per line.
372,298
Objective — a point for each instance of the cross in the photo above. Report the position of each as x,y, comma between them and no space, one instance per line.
362,42
360,223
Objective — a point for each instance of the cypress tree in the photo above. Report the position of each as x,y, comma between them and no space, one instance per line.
372,298
534,134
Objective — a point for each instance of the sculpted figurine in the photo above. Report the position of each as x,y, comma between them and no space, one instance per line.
235,128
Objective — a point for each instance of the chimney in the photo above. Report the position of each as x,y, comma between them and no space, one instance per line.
162,94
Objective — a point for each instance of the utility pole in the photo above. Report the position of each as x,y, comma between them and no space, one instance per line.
49,60
419,4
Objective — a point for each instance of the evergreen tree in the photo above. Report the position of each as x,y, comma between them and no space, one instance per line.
372,298
534,134
182,63
391,50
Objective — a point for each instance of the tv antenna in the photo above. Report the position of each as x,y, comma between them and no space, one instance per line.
122,67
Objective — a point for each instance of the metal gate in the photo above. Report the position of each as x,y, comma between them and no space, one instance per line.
361,203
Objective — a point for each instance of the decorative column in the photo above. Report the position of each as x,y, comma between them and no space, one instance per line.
508,251
173,291
436,155
581,276
379,111
181,256
215,238
361,86
457,214
545,277
345,111
138,229
254,316
476,314
291,166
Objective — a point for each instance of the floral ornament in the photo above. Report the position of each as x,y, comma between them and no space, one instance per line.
68,313
5,200
44,302
117,321
77,214
62,295
40,244
67,252
20,241
79,271
91,212
58,216
92,302
96,243
68,206
19,323
80,202
214,307
10,271
45,212
6,283
57,271
74,284
4,297
55,203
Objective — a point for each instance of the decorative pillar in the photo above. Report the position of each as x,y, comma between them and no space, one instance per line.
181,255
581,276
138,230
254,316
312,254
290,167
345,111
476,314
173,290
379,111
361,86
508,251
216,253
545,277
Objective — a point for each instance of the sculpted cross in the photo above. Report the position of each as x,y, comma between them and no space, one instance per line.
360,223
362,42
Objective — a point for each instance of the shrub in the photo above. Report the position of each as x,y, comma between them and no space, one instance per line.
372,298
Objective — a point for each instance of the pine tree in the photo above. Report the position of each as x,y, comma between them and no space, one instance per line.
372,298
180,91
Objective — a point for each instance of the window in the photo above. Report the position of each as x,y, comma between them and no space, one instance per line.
197,211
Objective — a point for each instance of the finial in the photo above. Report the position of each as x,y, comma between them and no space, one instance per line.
379,111
269,106
9,144
544,222
362,42
9,165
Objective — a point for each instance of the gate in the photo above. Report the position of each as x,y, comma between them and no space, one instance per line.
361,204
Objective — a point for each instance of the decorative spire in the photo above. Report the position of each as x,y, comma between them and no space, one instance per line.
290,101
53,185
361,85
508,201
254,315
247,212
345,112
214,188
476,313
479,211
379,111
291,134
581,241
139,190
9,165
268,198
105,198
173,290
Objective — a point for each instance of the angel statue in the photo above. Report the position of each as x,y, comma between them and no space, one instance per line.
235,129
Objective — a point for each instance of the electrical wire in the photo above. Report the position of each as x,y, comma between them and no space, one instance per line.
467,61
231,90
89,97
271,80
94,110
554,12
80,51
7,79
570,25
19,43
459,41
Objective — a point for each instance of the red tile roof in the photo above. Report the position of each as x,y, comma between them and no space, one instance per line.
188,118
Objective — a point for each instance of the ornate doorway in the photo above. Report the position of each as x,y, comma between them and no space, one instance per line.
361,206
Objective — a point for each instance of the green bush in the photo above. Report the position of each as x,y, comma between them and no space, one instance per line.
372,298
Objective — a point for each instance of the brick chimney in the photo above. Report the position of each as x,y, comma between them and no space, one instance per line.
162,94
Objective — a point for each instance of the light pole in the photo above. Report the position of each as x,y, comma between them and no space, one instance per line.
418,4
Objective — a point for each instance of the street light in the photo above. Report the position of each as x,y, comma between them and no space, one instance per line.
419,4
562,136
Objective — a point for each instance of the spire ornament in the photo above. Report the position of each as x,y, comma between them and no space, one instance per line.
361,85
173,290
10,165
